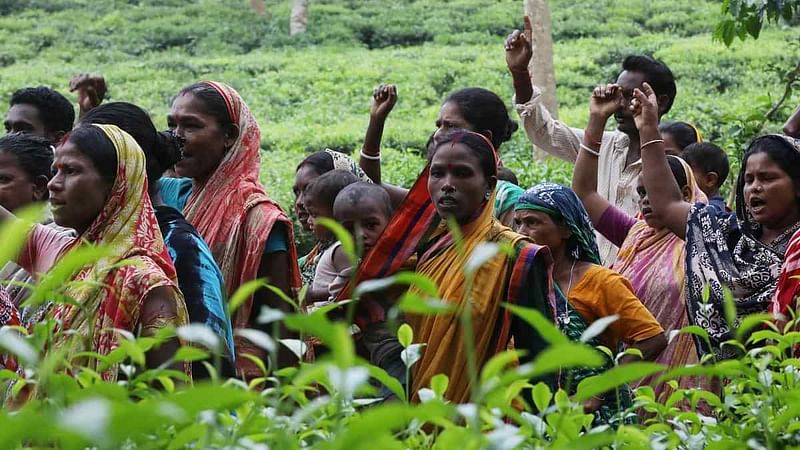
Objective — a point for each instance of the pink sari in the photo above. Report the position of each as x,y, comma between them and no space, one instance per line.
653,261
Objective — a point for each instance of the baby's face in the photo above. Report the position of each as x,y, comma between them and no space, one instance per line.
365,220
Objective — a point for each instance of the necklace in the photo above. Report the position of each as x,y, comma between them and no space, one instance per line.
563,316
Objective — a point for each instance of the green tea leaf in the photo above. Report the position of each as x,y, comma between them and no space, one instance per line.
405,335
615,377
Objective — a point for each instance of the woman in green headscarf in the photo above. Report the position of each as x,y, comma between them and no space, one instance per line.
552,215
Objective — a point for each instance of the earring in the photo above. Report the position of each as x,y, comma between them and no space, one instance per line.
488,194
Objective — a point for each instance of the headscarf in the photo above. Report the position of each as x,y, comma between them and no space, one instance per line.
723,252
109,294
561,203
652,259
506,196
233,213
416,228
345,162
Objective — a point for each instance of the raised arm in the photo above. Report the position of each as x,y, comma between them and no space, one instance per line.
604,102
792,126
663,193
544,131
91,90
384,98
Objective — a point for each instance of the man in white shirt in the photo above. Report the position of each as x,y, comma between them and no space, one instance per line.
619,165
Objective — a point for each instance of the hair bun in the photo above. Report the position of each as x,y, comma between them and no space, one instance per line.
168,148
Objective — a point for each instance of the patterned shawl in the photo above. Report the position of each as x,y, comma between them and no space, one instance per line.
345,162
561,203
723,251
108,294
233,213
652,259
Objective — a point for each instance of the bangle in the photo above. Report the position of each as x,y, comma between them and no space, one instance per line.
654,141
589,150
370,157
588,137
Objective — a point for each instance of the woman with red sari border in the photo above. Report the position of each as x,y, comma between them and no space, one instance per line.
249,235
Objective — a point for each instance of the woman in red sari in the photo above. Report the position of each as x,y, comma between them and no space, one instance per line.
249,235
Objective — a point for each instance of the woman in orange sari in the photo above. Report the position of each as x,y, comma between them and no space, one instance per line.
249,235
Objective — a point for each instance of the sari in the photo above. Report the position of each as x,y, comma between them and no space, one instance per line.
234,215
9,317
521,278
653,260
723,252
109,294
788,288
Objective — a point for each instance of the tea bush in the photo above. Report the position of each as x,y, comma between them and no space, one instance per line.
331,404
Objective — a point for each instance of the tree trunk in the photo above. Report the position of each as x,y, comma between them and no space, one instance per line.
541,68
299,18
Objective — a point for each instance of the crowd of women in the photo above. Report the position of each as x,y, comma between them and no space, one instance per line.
643,235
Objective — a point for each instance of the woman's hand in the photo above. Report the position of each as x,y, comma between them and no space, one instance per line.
645,107
384,97
605,101
518,48
91,90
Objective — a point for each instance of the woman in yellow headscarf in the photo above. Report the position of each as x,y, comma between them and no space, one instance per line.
459,185
99,189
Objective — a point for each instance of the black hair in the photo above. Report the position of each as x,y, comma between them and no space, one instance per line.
93,142
34,154
322,162
682,133
506,174
708,158
324,189
780,151
484,110
354,193
161,149
213,101
678,171
477,143
55,111
657,75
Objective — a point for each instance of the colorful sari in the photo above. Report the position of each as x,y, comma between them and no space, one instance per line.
234,215
110,293
788,289
522,278
723,252
653,260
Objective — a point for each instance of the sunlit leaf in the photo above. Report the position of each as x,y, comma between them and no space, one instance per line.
405,335
539,322
597,327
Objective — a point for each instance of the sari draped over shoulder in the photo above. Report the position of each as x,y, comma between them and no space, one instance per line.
234,215
109,293
723,251
653,261
522,277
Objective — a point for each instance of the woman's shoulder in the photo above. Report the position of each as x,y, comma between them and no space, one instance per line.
601,278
